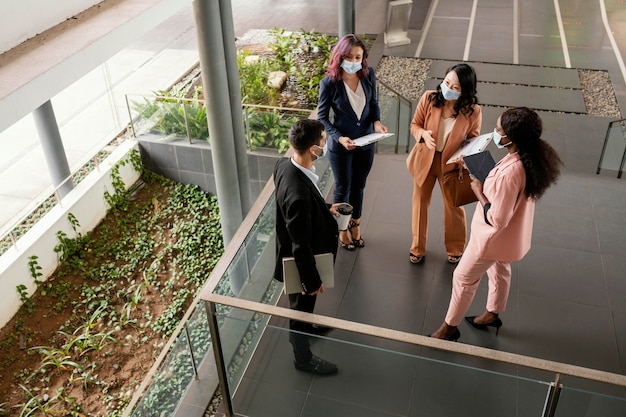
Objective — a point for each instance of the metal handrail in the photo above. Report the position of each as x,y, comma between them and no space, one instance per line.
400,98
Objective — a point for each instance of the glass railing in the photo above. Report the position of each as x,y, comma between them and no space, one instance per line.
395,113
176,118
388,372
613,154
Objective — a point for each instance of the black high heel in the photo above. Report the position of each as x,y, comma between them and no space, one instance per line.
497,323
359,243
347,246
453,337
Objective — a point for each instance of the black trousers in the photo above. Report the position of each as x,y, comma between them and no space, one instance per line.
299,341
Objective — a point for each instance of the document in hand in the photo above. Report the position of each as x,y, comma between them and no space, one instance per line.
371,138
324,265
472,146
479,164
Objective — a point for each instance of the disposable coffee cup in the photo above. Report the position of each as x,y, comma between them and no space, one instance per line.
345,212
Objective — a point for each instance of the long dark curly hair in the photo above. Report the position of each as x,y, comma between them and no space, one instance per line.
467,79
523,127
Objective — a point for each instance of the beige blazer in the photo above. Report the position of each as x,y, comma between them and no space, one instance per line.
427,117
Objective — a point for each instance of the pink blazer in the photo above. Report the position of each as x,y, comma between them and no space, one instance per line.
511,214
427,117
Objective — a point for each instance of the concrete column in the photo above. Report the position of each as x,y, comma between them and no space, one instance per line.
346,17
53,150
234,88
219,117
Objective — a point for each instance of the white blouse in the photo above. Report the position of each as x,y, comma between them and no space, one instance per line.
356,98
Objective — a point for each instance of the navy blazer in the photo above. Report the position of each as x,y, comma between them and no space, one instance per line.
333,96
304,225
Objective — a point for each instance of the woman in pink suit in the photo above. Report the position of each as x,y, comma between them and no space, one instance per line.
503,221
444,118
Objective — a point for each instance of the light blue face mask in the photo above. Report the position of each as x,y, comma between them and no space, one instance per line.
448,93
351,67
497,139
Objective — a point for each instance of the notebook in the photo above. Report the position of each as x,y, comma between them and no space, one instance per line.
291,276
479,164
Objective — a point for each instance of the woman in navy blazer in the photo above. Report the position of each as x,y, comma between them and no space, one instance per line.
349,91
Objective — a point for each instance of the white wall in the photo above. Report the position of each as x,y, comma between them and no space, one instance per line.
20,20
86,202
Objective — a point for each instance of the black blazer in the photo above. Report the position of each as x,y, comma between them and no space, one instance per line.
333,96
304,225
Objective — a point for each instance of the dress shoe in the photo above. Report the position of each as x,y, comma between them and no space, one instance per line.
317,366
497,323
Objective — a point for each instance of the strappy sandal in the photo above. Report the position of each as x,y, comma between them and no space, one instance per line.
454,259
359,243
347,246
414,259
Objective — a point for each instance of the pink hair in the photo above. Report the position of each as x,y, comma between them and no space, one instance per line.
340,51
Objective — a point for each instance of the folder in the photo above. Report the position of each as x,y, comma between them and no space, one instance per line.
371,138
479,164
325,267
472,146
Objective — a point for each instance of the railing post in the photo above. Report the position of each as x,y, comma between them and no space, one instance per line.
186,121
216,344
193,357
552,398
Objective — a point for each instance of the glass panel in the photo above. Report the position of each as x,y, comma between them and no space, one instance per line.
376,377
268,128
199,333
579,403
197,124
390,116
615,147
170,383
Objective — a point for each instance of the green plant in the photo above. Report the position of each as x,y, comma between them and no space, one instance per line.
22,290
253,77
35,269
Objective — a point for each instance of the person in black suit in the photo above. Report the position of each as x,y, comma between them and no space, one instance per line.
305,226
348,107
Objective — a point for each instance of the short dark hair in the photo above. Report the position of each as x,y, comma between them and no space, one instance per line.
304,133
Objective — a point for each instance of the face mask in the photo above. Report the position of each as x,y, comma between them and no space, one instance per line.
497,139
324,151
448,93
351,67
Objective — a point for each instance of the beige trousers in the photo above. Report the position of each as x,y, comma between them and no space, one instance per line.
454,223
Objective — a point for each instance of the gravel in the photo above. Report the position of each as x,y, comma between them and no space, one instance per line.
406,76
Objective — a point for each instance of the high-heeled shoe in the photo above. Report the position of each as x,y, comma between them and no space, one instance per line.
359,243
347,246
497,323
453,337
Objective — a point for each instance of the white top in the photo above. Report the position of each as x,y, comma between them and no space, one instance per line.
356,98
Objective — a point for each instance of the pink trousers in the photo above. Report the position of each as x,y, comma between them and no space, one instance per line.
465,280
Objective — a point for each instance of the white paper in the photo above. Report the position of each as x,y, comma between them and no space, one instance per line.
472,146
371,138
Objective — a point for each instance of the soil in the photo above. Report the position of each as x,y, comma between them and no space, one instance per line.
117,368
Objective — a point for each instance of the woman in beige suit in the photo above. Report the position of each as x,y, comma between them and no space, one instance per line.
444,118
503,221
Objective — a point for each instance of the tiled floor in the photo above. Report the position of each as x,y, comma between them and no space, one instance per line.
567,296
568,293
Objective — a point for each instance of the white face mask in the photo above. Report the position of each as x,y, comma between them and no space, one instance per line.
448,93
324,151
497,139
351,67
